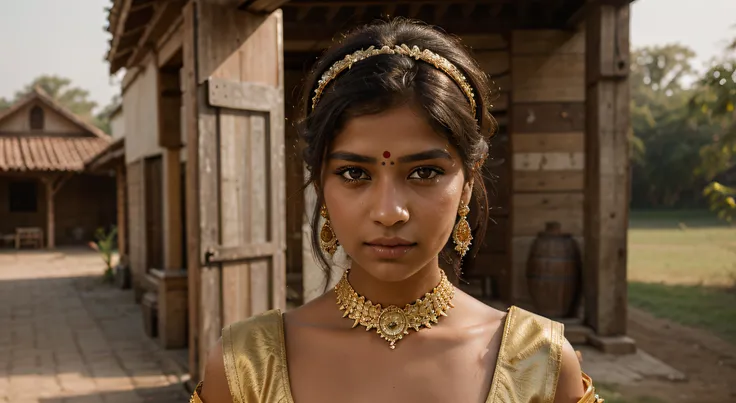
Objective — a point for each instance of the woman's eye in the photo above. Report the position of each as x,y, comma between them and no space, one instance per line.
424,173
354,174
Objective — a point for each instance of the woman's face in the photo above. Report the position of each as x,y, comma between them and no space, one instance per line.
392,187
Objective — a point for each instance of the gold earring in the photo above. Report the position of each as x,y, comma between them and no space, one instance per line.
461,235
327,237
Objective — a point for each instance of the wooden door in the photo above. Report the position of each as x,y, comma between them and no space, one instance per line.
235,132
247,209
154,213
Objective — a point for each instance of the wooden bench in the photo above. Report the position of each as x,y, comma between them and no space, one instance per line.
8,239
28,235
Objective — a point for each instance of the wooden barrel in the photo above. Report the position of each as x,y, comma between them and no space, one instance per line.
553,272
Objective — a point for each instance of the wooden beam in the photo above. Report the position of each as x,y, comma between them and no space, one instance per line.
52,186
263,6
414,9
141,6
134,31
191,101
165,14
172,208
302,13
122,219
50,220
440,10
318,30
170,42
467,10
332,12
118,30
495,9
578,17
606,167
389,9
359,11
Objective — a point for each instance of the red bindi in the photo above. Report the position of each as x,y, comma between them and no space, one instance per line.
386,154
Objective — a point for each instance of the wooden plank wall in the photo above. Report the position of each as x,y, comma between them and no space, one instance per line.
493,259
547,140
295,207
140,103
136,226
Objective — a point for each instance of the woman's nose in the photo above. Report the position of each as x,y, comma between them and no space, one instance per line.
389,205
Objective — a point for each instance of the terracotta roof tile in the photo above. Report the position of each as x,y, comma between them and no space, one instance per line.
26,153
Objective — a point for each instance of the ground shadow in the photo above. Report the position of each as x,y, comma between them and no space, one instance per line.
168,394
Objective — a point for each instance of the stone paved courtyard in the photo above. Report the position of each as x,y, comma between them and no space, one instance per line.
67,337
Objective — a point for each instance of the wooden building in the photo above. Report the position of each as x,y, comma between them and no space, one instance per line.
111,161
208,99
44,193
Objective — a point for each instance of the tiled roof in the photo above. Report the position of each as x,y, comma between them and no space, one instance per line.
27,153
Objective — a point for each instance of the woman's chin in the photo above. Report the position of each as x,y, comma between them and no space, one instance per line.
389,271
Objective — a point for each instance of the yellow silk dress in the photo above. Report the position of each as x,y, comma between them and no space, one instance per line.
527,367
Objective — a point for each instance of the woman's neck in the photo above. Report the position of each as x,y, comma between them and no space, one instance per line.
397,293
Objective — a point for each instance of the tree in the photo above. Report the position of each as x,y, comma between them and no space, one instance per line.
102,119
73,98
715,99
665,141
4,104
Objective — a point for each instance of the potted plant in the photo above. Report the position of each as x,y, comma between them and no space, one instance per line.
106,244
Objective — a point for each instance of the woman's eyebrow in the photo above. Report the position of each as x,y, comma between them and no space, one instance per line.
352,157
426,155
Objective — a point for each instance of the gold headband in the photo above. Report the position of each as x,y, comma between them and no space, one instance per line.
424,55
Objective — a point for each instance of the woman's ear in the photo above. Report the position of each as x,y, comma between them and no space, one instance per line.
467,192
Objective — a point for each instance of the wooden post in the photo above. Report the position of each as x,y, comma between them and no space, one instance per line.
121,206
606,169
190,109
172,209
50,238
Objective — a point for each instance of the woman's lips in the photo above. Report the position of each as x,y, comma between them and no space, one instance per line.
390,252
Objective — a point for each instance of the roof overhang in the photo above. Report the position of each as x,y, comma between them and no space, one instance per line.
135,25
108,158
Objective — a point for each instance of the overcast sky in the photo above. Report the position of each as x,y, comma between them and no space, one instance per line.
67,38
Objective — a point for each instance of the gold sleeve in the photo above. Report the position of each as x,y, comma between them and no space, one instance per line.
195,396
589,396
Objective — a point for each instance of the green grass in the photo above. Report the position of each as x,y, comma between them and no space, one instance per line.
702,307
682,267
681,247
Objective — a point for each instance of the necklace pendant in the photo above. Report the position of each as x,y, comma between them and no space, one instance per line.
393,325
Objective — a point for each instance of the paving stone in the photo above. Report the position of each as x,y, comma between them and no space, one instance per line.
66,337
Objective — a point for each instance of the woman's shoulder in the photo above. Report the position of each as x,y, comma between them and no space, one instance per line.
247,342
248,364
527,325
268,323
530,356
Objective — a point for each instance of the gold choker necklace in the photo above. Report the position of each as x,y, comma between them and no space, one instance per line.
392,322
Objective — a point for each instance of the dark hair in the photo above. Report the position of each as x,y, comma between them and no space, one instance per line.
382,82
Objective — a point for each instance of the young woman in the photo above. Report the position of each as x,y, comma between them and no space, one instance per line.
396,124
